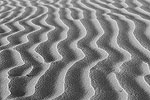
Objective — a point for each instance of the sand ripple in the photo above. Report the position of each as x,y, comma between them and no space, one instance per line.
74,50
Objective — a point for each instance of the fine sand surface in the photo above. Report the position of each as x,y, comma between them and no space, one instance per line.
74,50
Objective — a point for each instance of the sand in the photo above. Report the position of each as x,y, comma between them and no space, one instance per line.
74,50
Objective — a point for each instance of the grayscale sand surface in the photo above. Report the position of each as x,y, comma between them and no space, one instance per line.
74,49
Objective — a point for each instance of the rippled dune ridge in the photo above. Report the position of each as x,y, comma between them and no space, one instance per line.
74,50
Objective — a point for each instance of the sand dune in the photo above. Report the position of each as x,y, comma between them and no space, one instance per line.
74,50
